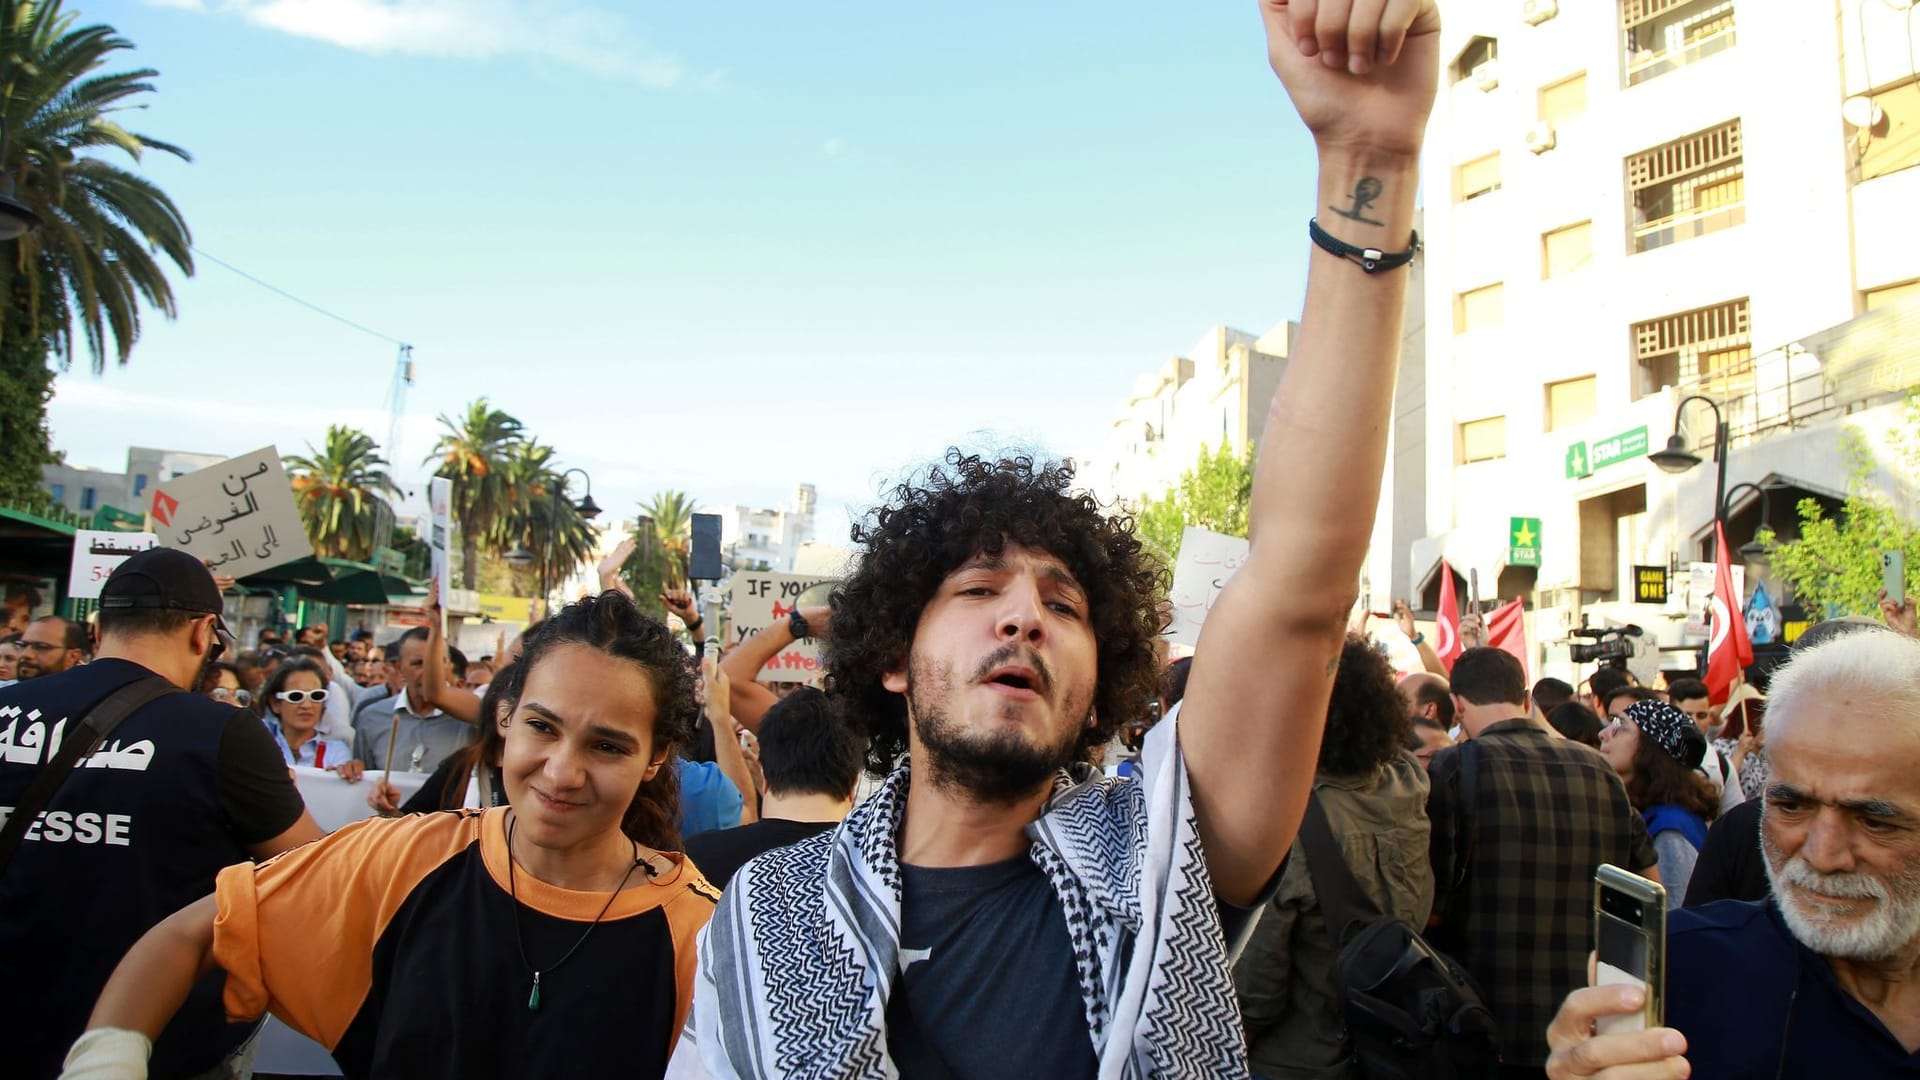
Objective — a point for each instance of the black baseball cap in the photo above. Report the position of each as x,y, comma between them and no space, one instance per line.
162,578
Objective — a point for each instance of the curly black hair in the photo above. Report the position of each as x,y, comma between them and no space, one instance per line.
611,624
1367,720
934,522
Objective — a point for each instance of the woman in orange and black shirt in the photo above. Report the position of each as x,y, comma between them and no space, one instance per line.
553,936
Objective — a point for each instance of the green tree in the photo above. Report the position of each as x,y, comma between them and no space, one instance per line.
558,543
1834,566
671,513
1212,495
92,260
341,490
648,571
473,452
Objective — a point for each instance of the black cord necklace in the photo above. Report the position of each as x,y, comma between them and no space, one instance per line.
533,997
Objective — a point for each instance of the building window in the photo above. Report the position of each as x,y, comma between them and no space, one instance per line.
1478,309
1478,56
1613,531
1892,141
59,493
1706,343
1687,188
1881,297
1564,100
1478,177
86,498
1571,402
1483,440
1659,36
140,484
1565,250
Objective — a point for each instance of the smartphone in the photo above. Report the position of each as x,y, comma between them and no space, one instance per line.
1630,943
1893,575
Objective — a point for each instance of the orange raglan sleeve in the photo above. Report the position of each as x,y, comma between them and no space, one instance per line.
296,934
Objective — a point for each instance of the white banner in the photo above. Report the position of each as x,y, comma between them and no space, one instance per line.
760,599
238,515
337,804
1207,561
95,554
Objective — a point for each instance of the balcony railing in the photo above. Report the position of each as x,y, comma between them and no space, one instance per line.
1677,227
1867,360
1645,64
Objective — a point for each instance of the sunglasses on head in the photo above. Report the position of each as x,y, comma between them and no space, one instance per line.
298,697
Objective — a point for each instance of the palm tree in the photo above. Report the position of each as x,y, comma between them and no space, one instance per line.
341,491
472,453
531,523
92,259
672,517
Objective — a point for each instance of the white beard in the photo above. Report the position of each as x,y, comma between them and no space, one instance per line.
1886,929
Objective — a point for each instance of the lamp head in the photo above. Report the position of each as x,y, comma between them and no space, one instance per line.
1676,458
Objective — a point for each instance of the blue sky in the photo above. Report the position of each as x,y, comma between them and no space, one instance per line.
724,248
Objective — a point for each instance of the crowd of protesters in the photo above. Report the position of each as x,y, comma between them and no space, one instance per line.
1008,837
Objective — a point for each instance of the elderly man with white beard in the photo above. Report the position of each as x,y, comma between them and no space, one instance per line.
1820,980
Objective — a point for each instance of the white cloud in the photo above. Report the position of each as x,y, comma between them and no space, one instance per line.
570,32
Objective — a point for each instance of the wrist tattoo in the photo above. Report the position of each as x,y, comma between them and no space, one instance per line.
1364,194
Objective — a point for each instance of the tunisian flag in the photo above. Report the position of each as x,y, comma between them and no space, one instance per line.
1507,630
1446,643
1728,651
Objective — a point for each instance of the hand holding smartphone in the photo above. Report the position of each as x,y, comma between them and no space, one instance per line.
1630,944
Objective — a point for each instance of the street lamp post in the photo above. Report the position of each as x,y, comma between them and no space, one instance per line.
1752,548
1676,458
586,508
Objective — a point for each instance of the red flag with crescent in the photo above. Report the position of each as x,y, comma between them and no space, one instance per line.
1446,643
1729,650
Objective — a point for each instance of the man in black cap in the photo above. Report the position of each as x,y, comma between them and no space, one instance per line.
182,787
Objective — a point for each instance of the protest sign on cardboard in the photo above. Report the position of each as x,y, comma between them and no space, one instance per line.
1207,561
762,598
440,535
238,515
95,554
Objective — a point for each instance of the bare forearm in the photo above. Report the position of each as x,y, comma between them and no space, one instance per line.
153,980
1317,480
751,700
1315,487
733,765
1431,660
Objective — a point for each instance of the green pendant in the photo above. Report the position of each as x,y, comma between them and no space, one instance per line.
533,999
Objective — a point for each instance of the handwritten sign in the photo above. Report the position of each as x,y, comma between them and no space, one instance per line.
762,598
1207,561
238,515
440,534
95,554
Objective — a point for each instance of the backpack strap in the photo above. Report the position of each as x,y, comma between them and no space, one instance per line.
86,737
1469,791
1342,900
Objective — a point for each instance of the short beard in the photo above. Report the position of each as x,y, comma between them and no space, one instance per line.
1884,931
998,769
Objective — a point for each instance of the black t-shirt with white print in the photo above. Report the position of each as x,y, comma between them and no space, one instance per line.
989,971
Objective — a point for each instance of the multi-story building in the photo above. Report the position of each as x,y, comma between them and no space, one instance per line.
764,539
1630,204
1218,392
86,490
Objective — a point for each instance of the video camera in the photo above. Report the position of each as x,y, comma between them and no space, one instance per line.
1604,644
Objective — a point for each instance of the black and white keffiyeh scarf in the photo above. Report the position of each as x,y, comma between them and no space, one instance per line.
799,960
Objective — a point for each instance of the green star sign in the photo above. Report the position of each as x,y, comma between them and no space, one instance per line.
1523,542
1577,462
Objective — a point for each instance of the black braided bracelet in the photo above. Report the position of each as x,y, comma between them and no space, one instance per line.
1372,260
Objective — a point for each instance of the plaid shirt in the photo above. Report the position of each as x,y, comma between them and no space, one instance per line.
1547,812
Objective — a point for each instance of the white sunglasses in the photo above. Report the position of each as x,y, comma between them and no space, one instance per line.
297,697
